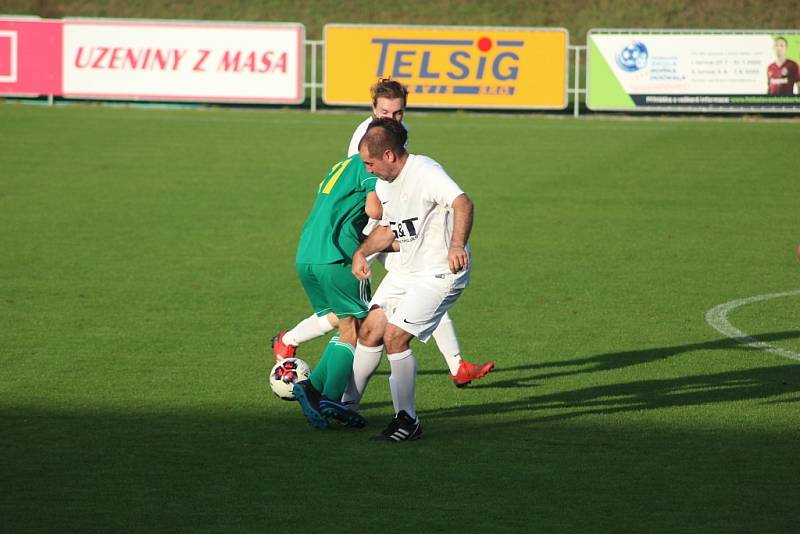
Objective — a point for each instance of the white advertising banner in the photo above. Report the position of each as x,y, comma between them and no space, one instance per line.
693,70
192,61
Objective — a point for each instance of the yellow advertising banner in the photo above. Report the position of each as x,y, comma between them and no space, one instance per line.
448,66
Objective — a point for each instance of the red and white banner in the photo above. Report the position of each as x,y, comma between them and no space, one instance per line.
153,60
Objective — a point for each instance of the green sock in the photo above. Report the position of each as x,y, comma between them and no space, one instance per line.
320,373
339,361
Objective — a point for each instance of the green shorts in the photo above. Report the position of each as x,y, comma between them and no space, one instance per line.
332,288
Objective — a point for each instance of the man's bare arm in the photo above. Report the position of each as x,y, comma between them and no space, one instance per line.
380,239
373,207
463,210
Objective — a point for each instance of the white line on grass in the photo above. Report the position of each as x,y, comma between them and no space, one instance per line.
717,317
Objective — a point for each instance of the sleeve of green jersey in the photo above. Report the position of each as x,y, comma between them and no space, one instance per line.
365,179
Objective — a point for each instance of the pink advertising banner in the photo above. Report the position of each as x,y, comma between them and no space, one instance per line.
30,56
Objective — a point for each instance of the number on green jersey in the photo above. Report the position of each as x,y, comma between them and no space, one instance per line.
327,184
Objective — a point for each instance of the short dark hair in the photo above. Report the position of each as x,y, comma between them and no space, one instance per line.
782,38
388,88
385,134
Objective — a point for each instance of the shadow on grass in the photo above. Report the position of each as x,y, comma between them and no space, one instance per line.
614,360
82,469
619,360
603,362
740,385
762,383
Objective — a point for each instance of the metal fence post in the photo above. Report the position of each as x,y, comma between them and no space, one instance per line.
313,76
576,103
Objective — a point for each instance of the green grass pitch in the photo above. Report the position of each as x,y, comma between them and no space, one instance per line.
147,258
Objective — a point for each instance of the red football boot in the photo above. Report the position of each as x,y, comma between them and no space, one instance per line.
467,372
282,350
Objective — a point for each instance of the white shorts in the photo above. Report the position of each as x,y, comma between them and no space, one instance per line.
416,303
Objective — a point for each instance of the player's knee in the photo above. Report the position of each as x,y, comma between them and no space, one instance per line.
348,330
395,339
371,331
332,319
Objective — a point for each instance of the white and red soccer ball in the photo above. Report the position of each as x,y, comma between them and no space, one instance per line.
285,374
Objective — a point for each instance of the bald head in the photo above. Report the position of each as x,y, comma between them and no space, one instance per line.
384,134
382,149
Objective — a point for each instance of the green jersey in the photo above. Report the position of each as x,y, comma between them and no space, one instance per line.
332,231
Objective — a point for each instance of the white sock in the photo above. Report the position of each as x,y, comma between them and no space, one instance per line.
365,362
309,328
446,340
402,381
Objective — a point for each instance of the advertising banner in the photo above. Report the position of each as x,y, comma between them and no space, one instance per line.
443,66
671,70
30,56
193,61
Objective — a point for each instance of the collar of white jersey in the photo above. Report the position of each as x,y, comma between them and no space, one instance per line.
404,171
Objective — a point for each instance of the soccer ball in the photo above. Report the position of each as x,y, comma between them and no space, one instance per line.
285,373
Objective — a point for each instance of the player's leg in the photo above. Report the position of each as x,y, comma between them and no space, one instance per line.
370,336
339,355
402,380
447,342
367,356
348,298
417,314
462,372
405,425
309,392
284,344
368,350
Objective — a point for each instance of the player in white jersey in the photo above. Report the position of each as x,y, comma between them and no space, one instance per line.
389,99
431,218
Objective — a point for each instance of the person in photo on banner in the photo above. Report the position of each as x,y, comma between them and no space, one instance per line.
783,75
389,99
430,217
328,240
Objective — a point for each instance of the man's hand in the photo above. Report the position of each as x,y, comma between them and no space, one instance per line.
458,258
360,266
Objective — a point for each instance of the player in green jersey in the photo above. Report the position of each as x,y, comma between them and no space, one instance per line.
330,235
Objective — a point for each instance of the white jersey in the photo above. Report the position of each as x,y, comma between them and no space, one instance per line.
417,206
352,150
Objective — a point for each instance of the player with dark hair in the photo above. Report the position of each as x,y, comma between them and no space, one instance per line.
783,74
389,99
431,218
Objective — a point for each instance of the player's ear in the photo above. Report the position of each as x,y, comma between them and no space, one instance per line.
389,156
